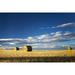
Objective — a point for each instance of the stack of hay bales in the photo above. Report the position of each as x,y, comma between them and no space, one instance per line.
27,48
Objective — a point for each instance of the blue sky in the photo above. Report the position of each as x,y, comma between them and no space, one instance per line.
24,25
41,30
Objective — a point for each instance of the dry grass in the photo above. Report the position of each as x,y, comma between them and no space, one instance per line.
35,53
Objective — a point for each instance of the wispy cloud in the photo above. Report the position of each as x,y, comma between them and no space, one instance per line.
43,41
49,40
12,42
45,38
43,45
64,25
57,36
45,27
11,39
59,26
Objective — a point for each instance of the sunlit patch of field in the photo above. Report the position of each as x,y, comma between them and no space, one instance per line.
36,53
36,56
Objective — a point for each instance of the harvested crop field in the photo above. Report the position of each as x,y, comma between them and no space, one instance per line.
38,59
37,56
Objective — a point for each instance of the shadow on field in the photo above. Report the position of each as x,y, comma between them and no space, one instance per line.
38,59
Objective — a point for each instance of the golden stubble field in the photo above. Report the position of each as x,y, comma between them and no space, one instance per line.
36,53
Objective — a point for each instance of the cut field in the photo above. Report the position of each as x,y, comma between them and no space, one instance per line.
35,55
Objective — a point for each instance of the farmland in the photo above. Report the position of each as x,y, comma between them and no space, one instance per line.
37,56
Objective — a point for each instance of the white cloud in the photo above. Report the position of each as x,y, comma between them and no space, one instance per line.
57,34
43,36
52,33
6,39
11,39
0,45
43,45
67,33
65,25
39,38
31,39
49,38
11,43
45,40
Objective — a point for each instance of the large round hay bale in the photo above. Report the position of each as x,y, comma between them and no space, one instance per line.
29,48
17,48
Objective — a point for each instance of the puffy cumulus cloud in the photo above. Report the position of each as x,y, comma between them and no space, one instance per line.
65,25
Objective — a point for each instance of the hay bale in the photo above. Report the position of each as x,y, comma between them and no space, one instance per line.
17,48
29,48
